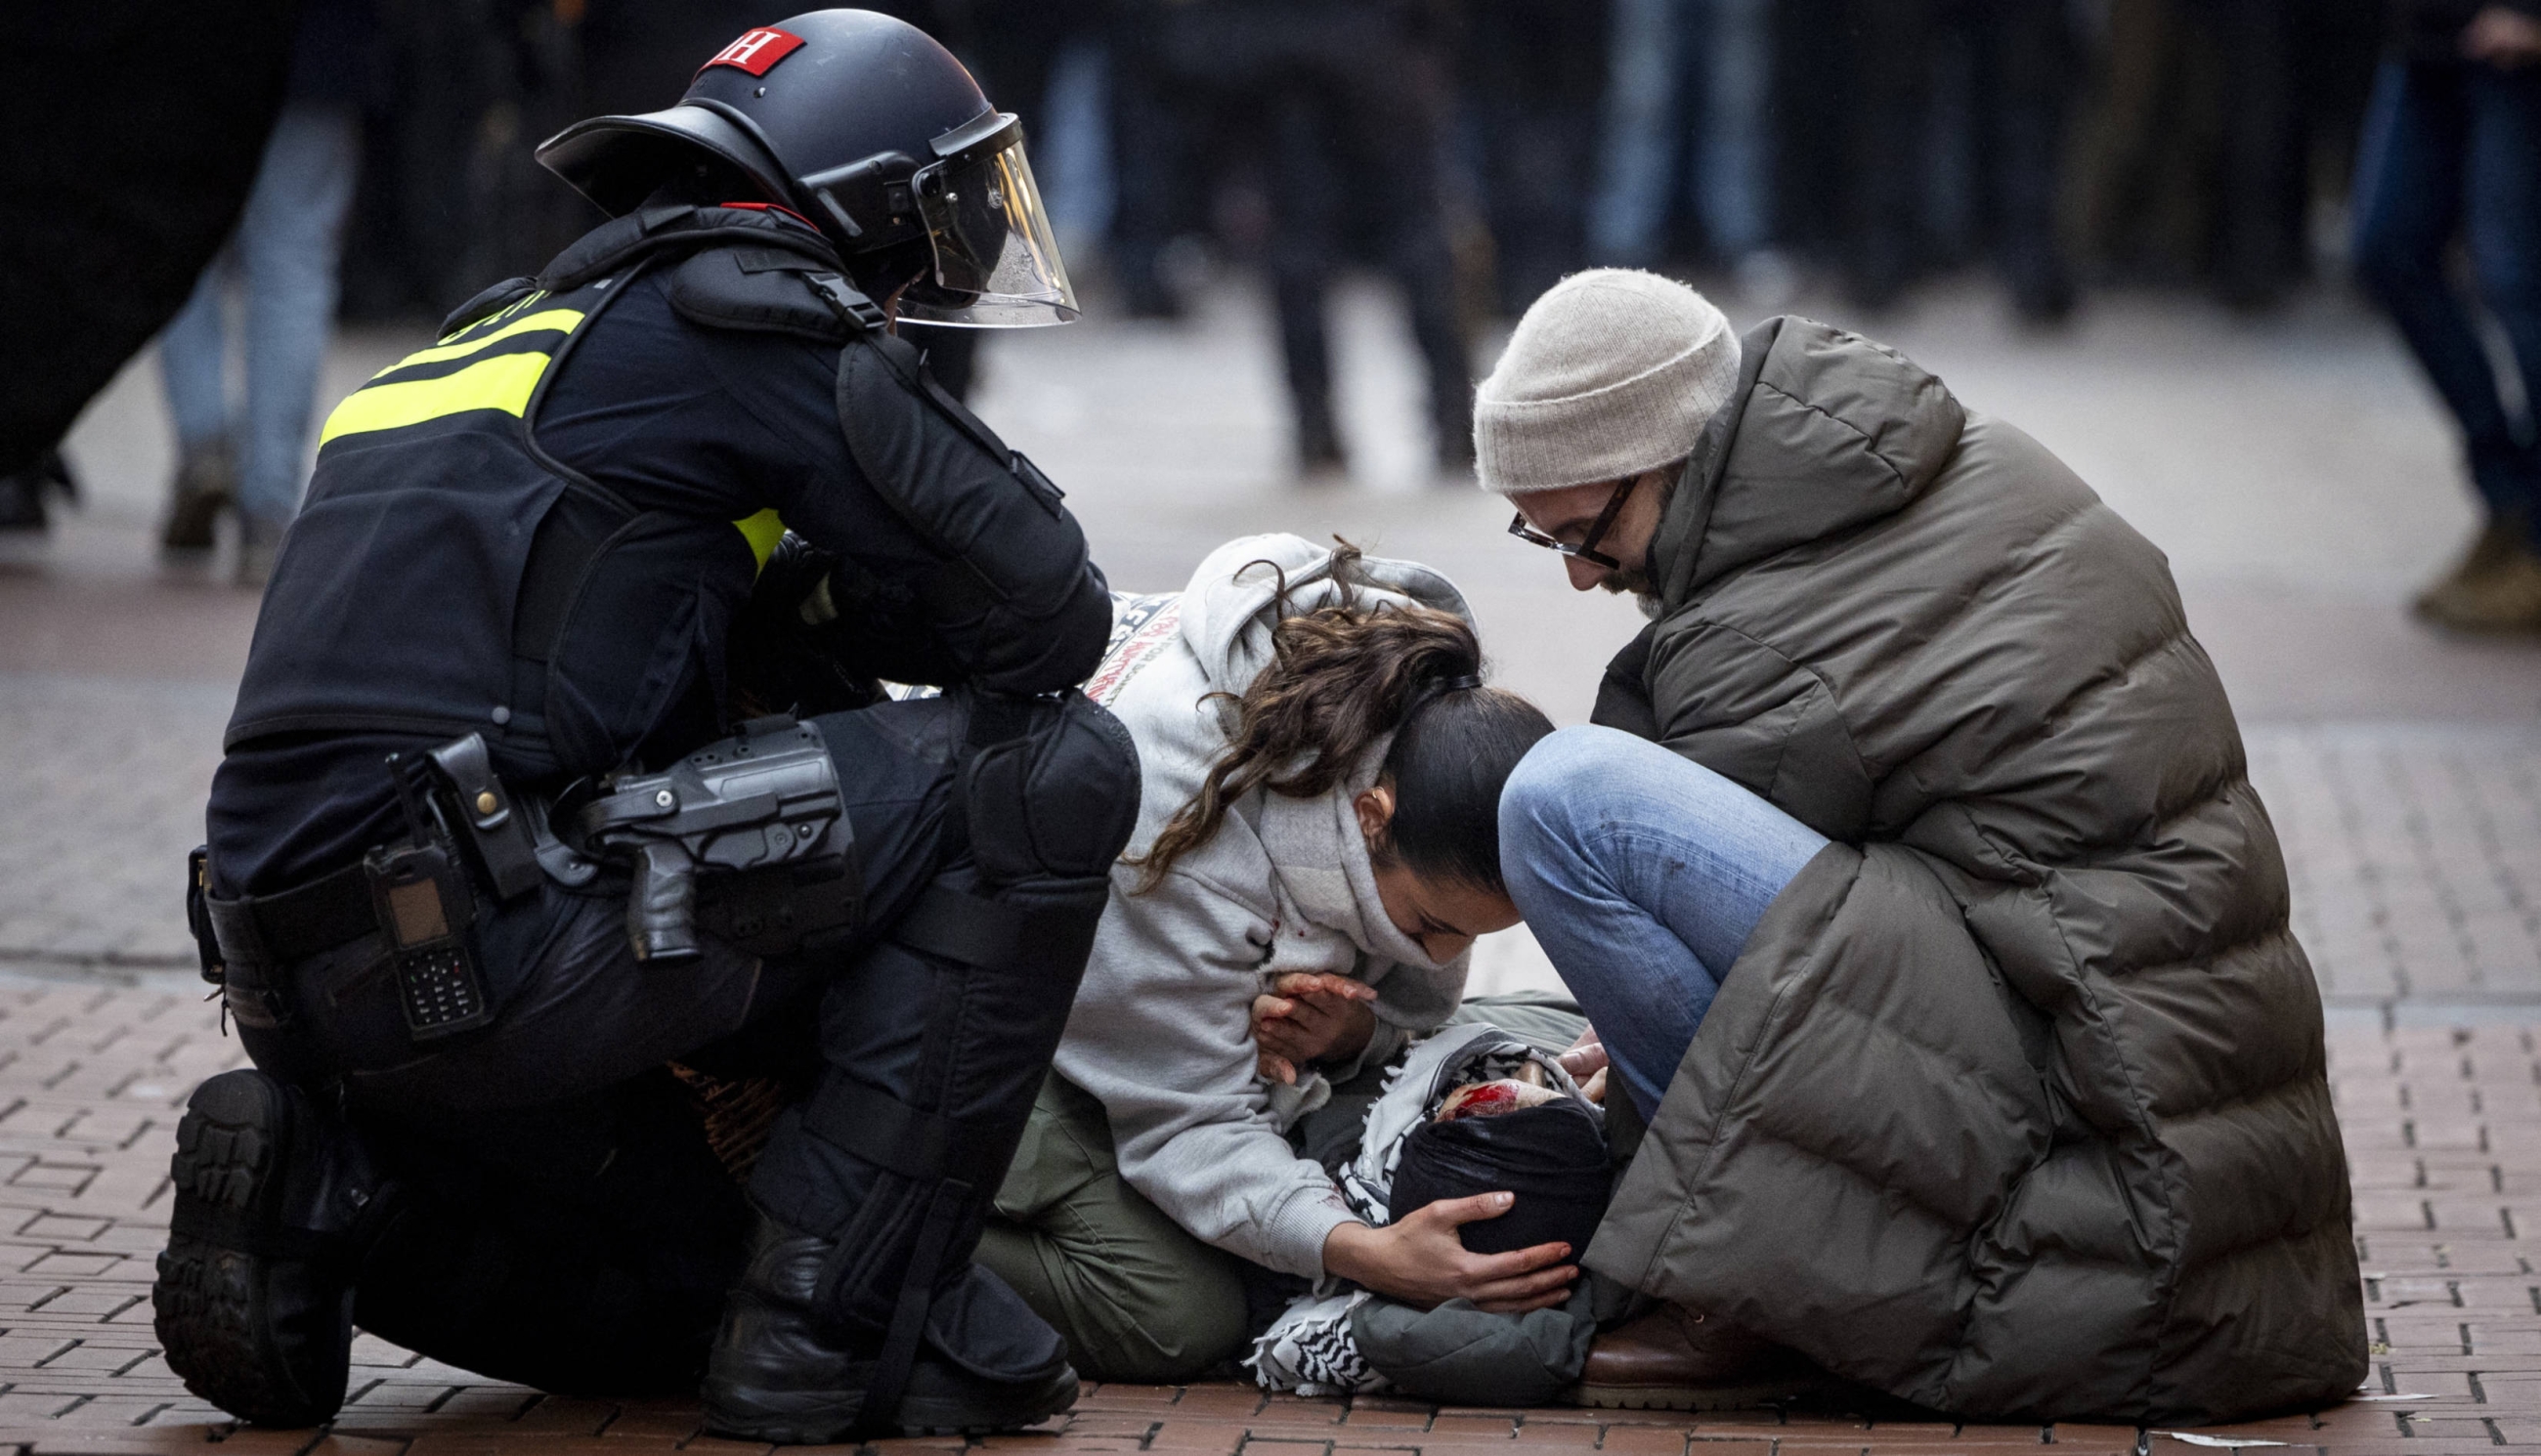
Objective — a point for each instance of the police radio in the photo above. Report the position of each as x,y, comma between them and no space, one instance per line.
420,893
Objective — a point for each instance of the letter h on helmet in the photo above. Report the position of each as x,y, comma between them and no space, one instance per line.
873,132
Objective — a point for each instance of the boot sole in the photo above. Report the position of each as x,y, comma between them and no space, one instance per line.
1687,1396
833,1418
920,1416
208,1301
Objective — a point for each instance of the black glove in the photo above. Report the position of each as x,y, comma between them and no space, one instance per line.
781,660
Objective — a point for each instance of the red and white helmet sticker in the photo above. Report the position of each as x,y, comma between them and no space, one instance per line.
756,50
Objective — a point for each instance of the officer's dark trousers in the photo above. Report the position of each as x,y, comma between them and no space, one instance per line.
564,1223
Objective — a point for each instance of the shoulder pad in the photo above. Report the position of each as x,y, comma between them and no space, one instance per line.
756,290
488,303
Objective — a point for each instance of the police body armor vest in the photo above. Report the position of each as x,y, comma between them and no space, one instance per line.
445,570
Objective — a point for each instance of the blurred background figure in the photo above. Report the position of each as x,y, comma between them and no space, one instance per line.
1341,108
22,493
1689,112
1834,155
2453,150
2208,84
2012,60
2219,127
105,225
283,259
1534,75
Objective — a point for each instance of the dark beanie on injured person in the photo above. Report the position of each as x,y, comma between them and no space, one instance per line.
1553,1157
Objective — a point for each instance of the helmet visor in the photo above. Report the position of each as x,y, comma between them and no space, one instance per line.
996,263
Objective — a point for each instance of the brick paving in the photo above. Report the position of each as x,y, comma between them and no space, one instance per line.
2415,856
2444,1129
2415,849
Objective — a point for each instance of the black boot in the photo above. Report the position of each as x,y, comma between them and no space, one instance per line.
254,1296
778,1375
862,1311
206,484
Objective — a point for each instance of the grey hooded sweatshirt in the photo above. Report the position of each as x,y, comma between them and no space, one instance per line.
1162,1029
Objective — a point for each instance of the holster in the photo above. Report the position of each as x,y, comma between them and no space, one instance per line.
248,945
747,838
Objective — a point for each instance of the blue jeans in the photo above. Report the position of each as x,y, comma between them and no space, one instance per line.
2451,148
1721,51
285,253
1641,875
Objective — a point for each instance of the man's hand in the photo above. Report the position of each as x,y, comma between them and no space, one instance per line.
1421,1261
2502,36
1307,1018
1586,1062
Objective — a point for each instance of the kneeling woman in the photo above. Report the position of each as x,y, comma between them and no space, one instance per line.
1319,835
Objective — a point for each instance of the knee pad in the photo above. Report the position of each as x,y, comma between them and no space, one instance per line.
1056,801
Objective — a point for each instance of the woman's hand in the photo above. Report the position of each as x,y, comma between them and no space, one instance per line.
1307,1018
1421,1261
2502,36
1586,1063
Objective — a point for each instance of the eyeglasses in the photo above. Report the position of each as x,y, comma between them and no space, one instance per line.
1586,549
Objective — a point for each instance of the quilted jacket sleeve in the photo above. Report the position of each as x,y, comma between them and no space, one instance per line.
1732,703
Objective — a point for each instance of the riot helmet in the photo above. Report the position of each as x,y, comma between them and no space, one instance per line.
871,131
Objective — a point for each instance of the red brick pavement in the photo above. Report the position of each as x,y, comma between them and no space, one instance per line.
2444,1129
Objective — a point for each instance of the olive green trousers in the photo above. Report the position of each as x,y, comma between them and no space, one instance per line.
1137,1296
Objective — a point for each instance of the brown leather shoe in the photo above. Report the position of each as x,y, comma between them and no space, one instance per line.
1674,1359
2504,597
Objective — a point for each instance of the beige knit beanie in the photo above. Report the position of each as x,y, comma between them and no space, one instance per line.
1613,372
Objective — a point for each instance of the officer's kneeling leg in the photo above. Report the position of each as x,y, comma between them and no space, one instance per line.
582,1247
861,1307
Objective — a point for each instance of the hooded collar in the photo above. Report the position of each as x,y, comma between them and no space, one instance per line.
1321,858
1314,845
1825,432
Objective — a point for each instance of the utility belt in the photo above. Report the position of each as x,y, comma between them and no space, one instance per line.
747,838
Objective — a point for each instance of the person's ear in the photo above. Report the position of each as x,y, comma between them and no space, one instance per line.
1375,807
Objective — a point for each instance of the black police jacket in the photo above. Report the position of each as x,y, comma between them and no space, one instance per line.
541,528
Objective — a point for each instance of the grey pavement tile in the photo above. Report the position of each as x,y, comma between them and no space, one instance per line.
2414,851
106,797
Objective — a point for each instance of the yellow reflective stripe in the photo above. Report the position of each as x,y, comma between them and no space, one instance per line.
562,320
762,531
505,312
504,382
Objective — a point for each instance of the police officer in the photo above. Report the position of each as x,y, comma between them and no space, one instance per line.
486,850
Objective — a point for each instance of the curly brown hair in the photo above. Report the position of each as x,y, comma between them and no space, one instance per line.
1341,677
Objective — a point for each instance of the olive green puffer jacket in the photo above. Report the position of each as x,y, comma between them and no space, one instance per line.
2014,1103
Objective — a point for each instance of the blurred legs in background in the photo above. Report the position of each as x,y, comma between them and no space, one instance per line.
1636,174
1690,93
1345,107
22,495
1151,146
1355,107
2258,183
1734,181
2449,151
2024,56
2194,162
284,254
1534,72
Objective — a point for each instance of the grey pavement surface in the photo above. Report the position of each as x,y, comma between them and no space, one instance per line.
2295,471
